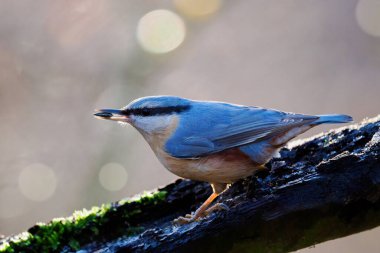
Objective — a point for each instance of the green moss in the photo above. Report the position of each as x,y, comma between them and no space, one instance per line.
146,198
83,226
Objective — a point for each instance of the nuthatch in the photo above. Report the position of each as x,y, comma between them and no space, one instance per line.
215,142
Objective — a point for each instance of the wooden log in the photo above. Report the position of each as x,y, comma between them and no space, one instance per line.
324,188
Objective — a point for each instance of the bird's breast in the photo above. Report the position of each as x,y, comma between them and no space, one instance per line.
223,167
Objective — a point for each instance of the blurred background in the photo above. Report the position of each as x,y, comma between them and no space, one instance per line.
59,60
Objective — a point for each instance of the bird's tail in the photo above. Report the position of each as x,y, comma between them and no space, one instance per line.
333,118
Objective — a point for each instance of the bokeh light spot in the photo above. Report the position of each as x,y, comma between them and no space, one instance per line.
160,31
368,16
113,176
197,8
37,182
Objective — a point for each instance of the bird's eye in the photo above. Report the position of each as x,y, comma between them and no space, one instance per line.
145,112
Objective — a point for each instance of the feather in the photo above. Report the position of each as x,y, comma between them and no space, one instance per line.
220,126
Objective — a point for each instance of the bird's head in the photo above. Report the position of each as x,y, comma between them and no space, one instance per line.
148,114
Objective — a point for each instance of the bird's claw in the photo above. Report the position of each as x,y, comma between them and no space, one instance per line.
216,207
188,216
184,220
192,217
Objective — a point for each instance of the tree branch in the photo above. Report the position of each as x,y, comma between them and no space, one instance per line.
325,188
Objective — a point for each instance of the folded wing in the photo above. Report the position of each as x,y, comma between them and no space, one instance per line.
213,127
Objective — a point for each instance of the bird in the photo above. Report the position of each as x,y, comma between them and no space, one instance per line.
215,142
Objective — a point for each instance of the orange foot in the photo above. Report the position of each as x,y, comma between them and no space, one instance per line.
198,214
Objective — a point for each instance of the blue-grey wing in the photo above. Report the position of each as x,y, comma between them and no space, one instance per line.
211,127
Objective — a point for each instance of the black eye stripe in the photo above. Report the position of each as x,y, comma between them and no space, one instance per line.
154,111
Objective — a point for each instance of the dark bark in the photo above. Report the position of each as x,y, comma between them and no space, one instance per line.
325,188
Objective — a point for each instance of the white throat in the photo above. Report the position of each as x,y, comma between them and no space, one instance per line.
152,124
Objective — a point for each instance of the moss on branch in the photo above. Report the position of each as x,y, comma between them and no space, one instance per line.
97,224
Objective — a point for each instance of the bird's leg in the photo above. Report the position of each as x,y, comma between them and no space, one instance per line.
218,206
200,212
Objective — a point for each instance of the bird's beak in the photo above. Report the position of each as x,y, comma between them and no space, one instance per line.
111,114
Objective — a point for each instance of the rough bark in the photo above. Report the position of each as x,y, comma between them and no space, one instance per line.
324,188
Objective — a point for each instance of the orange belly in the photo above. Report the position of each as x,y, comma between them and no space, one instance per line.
223,167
